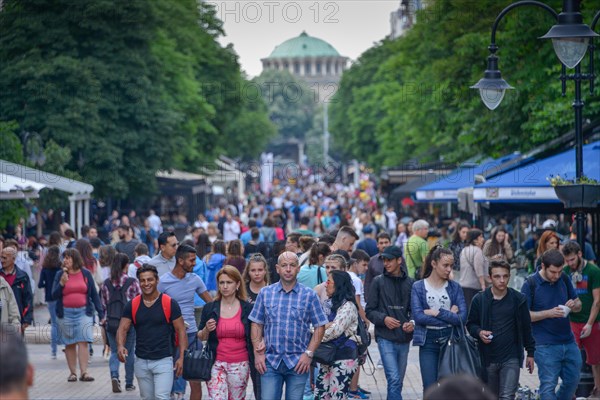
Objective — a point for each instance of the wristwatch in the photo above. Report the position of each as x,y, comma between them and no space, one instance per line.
309,353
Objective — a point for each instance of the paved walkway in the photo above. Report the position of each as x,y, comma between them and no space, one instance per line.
51,375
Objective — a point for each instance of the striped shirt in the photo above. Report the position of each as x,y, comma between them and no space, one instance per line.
286,317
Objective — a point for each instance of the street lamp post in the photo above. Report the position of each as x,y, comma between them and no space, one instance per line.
571,39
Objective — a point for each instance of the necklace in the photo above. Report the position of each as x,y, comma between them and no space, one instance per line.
149,303
229,306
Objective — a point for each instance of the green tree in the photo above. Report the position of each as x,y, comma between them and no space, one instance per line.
410,98
290,102
128,87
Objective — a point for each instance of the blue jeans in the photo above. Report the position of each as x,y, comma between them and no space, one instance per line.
554,361
113,362
155,378
429,355
179,383
503,378
54,327
272,381
394,357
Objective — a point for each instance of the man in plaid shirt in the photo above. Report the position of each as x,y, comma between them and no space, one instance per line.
284,311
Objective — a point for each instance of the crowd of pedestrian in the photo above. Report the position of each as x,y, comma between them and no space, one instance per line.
271,284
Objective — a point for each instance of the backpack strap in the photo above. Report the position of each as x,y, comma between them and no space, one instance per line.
319,277
532,286
135,305
128,282
166,306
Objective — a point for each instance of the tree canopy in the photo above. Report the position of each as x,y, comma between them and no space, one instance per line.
409,98
125,88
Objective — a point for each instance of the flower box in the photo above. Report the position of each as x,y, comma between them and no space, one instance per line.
578,196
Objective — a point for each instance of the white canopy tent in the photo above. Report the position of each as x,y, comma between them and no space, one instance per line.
36,179
13,188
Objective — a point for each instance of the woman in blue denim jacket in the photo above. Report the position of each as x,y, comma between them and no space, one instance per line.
437,304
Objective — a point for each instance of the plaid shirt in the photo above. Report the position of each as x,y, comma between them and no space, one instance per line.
286,317
133,290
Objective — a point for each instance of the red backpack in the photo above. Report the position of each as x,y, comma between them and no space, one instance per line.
166,306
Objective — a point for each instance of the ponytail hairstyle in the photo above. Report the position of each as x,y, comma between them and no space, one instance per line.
316,250
120,262
435,254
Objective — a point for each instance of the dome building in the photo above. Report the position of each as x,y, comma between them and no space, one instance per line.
311,59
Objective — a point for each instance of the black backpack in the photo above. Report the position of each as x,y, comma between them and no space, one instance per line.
117,299
364,335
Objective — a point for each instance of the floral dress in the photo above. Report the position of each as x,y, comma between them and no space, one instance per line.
333,381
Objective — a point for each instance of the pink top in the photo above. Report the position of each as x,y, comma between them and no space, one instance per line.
75,291
232,339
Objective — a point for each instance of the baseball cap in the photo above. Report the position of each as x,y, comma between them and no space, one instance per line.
367,229
549,224
392,252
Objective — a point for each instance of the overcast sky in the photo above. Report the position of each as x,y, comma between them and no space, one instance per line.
256,27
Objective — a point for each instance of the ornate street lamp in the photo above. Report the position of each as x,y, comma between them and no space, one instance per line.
571,39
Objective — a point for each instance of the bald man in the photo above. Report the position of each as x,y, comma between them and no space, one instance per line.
20,285
284,312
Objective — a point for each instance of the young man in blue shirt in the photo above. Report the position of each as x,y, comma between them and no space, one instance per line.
551,297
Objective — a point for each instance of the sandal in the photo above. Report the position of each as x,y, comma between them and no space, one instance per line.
86,378
72,378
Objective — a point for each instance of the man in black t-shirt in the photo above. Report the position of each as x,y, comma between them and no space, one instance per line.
154,316
499,318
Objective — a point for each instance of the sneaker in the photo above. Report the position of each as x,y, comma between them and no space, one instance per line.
53,356
357,395
130,388
363,390
116,385
380,364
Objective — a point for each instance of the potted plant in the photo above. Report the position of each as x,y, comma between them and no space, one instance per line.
582,193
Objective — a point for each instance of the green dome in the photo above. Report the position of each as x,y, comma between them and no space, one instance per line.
304,46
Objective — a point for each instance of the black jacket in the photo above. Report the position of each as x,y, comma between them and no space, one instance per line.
21,288
480,319
390,297
213,310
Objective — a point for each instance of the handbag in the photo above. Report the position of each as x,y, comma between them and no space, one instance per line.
459,355
325,353
197,363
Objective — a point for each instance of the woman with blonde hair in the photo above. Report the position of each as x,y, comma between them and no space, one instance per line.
225,326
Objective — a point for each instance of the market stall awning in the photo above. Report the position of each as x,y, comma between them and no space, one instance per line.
529,182
446,187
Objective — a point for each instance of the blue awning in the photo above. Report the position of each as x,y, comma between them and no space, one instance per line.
529,183
445,188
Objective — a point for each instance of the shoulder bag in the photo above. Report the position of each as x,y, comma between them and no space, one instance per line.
459,354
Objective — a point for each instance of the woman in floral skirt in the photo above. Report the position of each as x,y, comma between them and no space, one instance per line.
333,381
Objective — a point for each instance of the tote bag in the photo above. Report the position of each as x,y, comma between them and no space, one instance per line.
459,355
